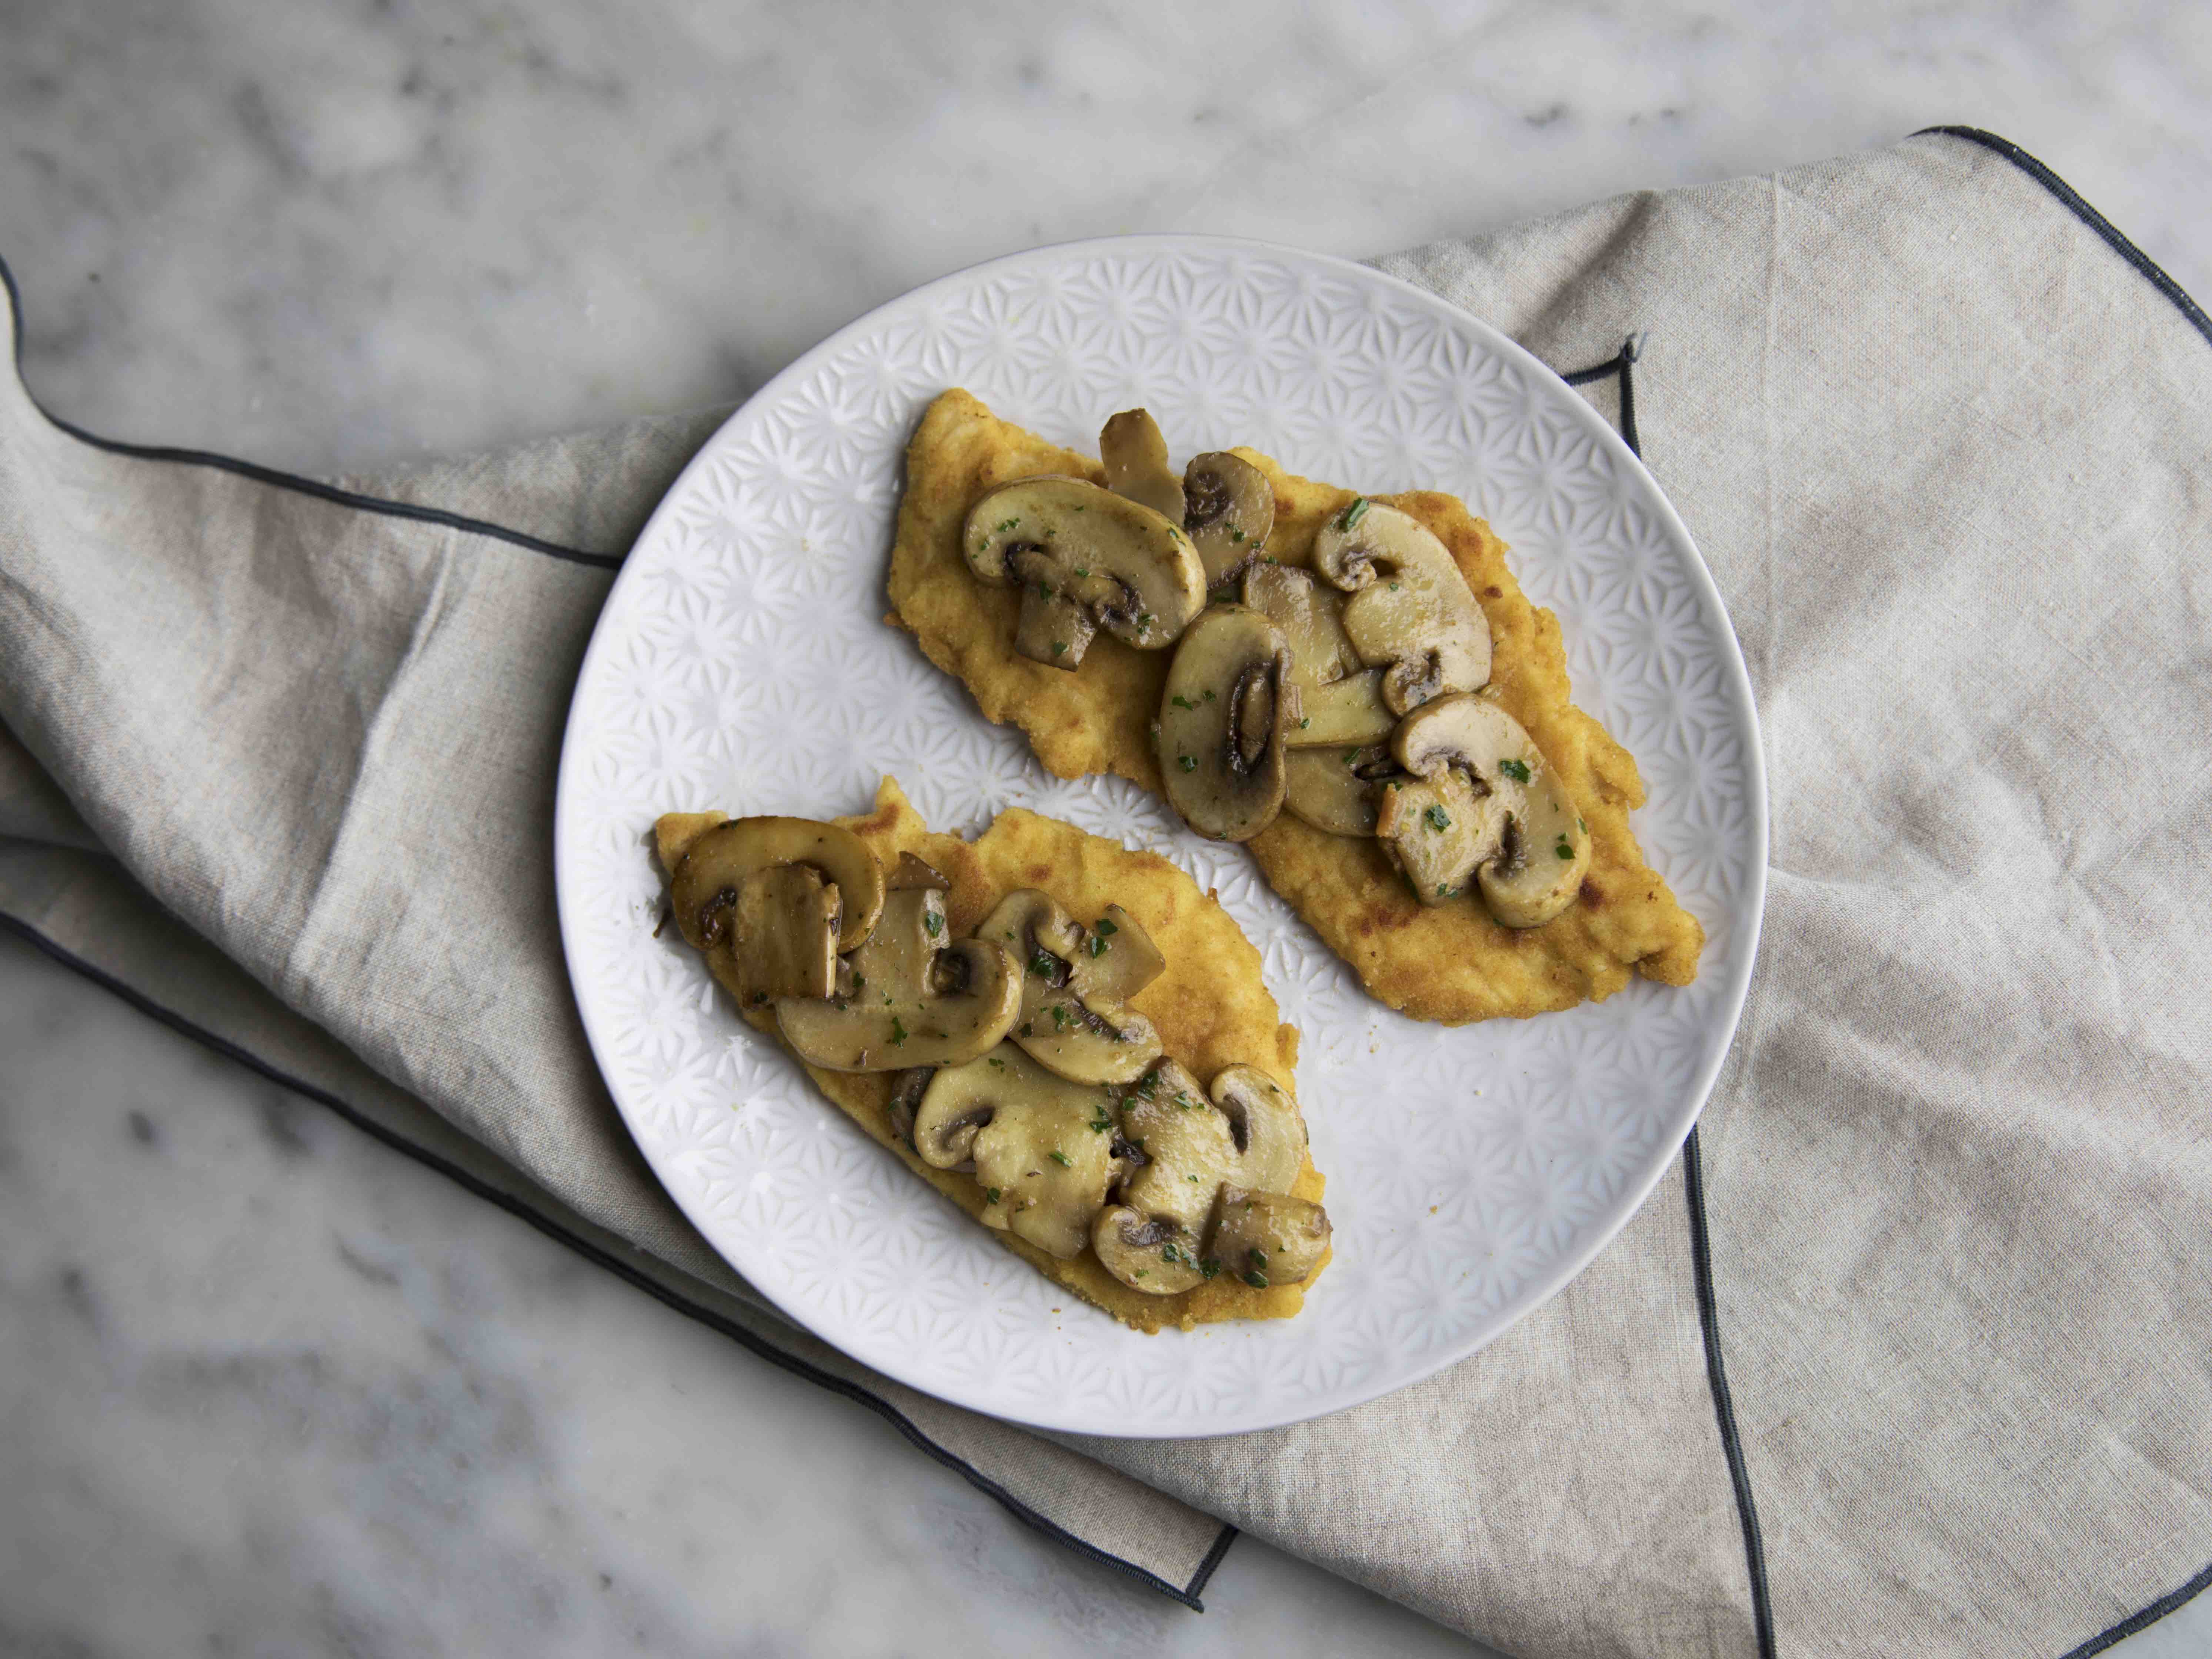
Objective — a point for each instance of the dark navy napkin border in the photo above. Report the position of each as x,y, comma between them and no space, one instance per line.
1620,367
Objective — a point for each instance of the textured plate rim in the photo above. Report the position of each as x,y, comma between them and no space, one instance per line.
1729,1012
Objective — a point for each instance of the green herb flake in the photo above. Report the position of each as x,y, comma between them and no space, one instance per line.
1042,963
1443,892
1141,1272
1256,1280
1353,513
1182,701
1437,818
1006,525
1394,587
1210,1267
1566,853
898,1029
991,1193
1060,1017
1208,695
932,922
859,982
1101,1125
1235,534
1081,570
1259,1257
1304,723
1186,763
1061,1158
1044,590
1106,926
1185,1102
1516,770
996,1061
1058,647
1192,1179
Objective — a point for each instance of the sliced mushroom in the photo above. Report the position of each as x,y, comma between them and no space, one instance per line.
1438,831
915,996
782,935
1084,558
1339,700
1411,611
1334,789
1076,982
1267,1239
1041,1148
674,832
1265,1126
705,890
1544,850
1135,457
913,873
1229,509
1223,719
1188,1148
1148,1253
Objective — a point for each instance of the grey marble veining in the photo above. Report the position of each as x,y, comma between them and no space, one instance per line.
267,1387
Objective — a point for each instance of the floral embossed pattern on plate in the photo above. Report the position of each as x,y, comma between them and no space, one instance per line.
743,662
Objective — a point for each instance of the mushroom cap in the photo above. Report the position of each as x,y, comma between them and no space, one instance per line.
704,890
782,935
1267,1239
1229,509
1334,789
1135,457
1075,985
1535,870
918,997
1411,611
1041,1147
1084,558
1146,1252
1339,700
1223,714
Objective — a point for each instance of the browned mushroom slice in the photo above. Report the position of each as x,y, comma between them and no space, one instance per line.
1543,850
1148,1253
1084,558
1335,789
704,892
1438,831
1041,1147
1076,984
783,934
1339,700
1229,509
1135,457
1267,1239
1411,611
916,996
1223,719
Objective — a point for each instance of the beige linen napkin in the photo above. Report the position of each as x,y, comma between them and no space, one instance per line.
1911,1358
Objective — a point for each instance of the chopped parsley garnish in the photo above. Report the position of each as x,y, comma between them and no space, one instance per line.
1008,524
1211,1265
1235,534
1044,590
1516,770
898,1029
1100,1124
1081,570
1183,1101
991,1193
1353,513
1394,587
1106,926
1256,1280
859,982
1060,1017
1182,701
934,922
996,1061
1259,1257
1059,646
1565,853
1304,723
1208,694
1042,963
1060,1158
1443,892
1186,763
1437,818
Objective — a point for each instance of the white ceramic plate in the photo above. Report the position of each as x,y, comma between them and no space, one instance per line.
742,662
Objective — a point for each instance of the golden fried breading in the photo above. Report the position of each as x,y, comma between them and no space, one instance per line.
1211,1006
1448,963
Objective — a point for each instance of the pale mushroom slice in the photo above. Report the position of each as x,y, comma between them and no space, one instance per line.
1224,716
704,889
1265,1126
1185,1143
1545,849
1076,982
916,996
1334,789
1135,457
1041,1147
1267,1239
1084,558
1339,700
1229,509
1411,611
1148,1253
1439,830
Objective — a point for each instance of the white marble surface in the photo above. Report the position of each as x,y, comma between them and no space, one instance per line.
266,1388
